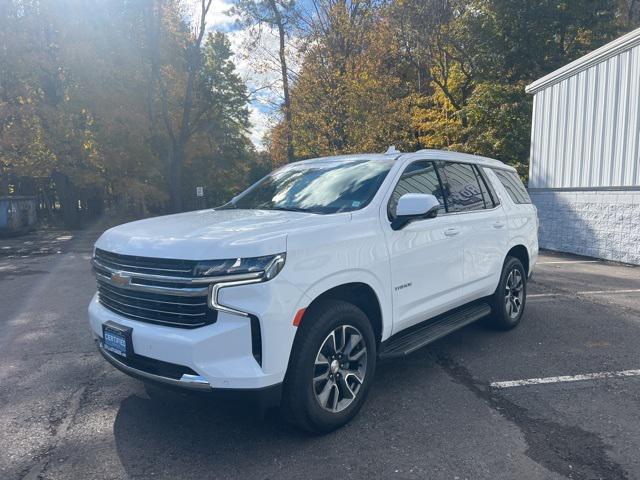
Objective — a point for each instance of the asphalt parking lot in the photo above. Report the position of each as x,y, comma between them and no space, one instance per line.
462,408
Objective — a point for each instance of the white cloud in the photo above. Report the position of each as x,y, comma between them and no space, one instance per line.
255,66
218,15
261,122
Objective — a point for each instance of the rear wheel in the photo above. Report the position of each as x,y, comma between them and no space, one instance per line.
508,301
331,368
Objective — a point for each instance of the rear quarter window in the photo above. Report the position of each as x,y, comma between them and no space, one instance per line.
513,185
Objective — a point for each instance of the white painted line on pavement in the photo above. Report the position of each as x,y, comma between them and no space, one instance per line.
631,290
568,261
566,378
588,292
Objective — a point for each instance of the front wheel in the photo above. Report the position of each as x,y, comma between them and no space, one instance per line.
331,368
508,301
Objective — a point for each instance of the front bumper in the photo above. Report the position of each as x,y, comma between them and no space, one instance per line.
264,398
185,381
220,355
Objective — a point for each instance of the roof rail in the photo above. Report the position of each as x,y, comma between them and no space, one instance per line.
392,150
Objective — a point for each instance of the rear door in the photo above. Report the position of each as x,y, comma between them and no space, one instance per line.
482,224
426,256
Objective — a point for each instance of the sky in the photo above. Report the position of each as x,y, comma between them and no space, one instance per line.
257,66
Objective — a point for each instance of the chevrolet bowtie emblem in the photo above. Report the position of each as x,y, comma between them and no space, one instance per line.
120,279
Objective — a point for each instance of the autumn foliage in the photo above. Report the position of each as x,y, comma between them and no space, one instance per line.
135,103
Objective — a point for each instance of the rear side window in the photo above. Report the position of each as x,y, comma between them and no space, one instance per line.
513,185
482,176
418,177
486,194
461,188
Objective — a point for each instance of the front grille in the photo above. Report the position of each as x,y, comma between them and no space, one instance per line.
185,312
148,265
176,303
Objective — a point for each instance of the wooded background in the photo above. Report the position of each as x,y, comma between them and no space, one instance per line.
128,105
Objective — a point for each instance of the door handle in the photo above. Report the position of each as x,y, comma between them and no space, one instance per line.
498,224
451,232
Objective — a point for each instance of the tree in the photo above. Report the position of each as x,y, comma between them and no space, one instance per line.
351,92
66,70
182,121
629,14
477,58
87,91
277,14
224,111
221,158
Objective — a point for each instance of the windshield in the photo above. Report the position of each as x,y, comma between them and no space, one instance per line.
318,187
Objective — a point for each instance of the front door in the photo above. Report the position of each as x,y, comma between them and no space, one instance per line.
426,256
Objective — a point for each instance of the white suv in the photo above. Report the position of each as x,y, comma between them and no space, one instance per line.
298,286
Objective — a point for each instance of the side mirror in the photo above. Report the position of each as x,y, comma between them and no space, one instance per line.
414,206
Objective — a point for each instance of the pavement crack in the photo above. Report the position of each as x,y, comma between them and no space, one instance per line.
60,419
565,449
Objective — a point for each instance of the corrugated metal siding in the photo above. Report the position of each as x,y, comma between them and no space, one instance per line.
586,128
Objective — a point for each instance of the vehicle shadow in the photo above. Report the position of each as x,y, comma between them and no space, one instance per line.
208,437
185,436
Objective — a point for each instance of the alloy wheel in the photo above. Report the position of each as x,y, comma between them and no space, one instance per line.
514,293
340,368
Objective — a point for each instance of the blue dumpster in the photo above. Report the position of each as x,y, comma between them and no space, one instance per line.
17,214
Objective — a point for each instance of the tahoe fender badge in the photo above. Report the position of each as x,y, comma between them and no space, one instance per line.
404,285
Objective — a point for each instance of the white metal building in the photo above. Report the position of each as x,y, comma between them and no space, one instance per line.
584,173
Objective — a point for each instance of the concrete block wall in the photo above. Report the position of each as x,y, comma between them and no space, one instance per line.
596,223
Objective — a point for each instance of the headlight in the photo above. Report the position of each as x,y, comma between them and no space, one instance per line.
269,266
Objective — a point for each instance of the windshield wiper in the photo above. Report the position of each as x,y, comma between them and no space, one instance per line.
231,205
288,209
227,206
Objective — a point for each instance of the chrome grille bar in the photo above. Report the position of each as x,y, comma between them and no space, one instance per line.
110,298
153,320
179,292
113,298
160,266
170,279
124,266
106,286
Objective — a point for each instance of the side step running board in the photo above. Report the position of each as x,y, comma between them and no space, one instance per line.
410,340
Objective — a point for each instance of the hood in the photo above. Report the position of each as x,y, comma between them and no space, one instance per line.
212,234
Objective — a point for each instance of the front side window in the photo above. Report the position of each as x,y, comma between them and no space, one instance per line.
316,187
513,185
461,187
418,177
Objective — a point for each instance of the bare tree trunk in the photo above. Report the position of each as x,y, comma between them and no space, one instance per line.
179,139
285,80
175,182
4,182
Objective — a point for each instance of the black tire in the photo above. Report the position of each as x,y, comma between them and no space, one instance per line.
502,310
301,403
